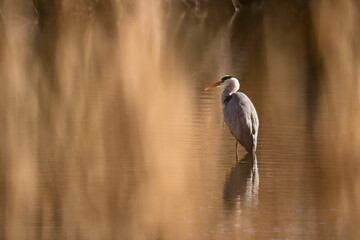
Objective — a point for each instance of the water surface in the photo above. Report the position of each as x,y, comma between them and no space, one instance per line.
109,134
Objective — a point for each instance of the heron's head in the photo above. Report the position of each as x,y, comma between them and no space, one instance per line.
226,81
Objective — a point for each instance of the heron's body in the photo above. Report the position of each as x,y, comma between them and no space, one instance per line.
241,118
239,113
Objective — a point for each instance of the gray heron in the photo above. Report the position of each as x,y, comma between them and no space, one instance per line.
239,113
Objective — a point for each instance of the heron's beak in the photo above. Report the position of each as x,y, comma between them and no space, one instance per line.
214,85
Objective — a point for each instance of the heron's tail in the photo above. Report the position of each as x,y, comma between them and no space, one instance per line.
254,142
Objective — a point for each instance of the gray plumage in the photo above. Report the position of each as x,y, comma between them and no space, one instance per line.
239,113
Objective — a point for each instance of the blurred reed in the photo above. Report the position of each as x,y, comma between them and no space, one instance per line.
336,25
90,95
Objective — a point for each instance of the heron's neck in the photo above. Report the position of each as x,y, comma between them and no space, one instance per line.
232,88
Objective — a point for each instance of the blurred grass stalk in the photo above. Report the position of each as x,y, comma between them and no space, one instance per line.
80,113
337,32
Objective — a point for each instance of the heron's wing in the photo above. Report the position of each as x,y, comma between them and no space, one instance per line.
241,118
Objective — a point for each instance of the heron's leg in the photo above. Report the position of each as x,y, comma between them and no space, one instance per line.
236,149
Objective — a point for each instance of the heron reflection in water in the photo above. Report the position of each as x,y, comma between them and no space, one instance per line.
242,184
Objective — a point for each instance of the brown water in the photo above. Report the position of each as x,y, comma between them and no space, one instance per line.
107,132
